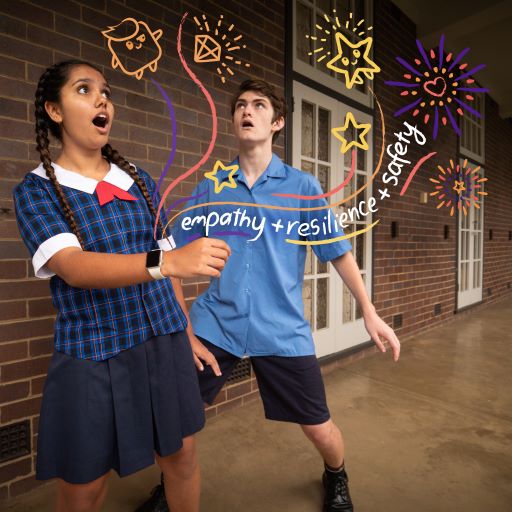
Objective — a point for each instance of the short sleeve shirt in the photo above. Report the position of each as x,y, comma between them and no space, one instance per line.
96,323
256,306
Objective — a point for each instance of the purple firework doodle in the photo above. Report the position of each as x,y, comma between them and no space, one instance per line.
436,84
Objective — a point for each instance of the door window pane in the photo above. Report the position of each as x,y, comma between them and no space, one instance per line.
308,141
307,298
304,26
324,134
321,303
323,177
347,304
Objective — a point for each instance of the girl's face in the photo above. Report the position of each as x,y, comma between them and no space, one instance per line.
85,111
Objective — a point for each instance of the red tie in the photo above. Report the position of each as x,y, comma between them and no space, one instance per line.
106,193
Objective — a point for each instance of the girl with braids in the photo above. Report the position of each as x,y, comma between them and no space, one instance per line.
122,385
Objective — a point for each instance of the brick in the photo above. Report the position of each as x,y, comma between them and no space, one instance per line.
227,406
237,390
41,307
12,392
13,108
25,369
13,351
29,12
22,130
23,329
13,149
78,30
24,485
220,398
14,269
41,347
13,68
146,136
130,115
139,102
15,469
13,27
52,39
23,289
98,19
37,385
13,310
22,409
95,54
25,50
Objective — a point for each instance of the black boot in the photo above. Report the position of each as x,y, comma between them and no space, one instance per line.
337,496
157,501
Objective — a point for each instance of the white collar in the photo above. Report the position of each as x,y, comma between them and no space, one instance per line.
115,176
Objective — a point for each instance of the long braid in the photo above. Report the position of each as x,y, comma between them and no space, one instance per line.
112,155
43,147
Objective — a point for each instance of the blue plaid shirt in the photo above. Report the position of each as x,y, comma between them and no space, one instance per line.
99,323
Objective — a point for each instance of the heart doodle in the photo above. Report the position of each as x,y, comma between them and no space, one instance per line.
432,86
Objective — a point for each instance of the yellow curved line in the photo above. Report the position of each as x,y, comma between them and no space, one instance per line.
289,208
331,240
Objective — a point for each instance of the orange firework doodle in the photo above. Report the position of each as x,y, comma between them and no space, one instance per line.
457,187
215,46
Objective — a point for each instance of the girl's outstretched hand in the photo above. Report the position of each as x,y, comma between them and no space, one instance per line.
202,257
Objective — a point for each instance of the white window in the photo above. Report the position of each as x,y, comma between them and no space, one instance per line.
472,140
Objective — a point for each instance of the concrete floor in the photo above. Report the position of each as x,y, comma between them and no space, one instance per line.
430,433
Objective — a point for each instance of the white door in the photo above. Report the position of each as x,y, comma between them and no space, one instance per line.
335,319
470,253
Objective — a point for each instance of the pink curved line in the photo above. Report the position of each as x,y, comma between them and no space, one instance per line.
416,168
214,127
331,192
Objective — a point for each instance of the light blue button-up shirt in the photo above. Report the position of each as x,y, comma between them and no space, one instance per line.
255,308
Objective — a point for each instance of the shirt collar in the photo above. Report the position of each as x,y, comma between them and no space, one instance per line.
115,176
275,169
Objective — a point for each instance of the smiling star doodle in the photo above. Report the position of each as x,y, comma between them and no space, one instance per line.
135,40
353,59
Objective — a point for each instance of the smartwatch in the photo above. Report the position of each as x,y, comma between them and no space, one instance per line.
153,263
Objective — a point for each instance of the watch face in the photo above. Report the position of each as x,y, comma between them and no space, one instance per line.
153,259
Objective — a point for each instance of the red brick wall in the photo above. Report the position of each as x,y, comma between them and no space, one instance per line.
35,35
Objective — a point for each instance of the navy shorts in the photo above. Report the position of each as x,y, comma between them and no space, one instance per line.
291,388
115,414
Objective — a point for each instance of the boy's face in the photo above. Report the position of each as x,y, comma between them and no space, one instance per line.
252,119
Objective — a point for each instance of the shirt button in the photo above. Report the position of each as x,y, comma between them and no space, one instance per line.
247,265
246,290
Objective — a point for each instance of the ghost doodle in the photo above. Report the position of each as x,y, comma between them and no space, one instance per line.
135,40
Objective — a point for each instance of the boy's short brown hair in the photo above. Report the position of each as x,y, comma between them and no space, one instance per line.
265,89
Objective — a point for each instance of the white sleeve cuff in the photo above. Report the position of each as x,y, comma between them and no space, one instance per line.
49,248
167,244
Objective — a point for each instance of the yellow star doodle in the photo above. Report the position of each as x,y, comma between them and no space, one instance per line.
351,122
359,53
459,187
212,175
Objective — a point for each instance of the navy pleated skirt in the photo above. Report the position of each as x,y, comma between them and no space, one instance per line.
115,414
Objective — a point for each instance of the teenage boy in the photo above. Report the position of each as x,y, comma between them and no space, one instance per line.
255,308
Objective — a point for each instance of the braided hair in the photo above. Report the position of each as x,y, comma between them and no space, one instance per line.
48,89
